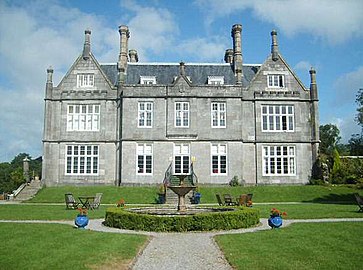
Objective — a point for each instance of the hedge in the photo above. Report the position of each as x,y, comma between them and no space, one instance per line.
225,220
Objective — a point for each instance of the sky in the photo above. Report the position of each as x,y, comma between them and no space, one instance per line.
324,34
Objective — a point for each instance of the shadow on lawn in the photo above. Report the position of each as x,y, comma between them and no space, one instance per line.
333,198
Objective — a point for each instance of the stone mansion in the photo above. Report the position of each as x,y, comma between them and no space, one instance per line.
134,123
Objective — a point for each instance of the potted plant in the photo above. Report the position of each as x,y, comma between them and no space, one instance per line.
81,220
275,220
161,194
121,203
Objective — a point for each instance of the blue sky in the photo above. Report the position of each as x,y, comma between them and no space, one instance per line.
324,34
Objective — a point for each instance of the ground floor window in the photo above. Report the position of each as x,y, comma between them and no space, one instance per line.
279,160
219,158
82,159
144,158
181,158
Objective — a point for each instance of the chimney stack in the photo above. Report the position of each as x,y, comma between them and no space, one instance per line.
182,68
133,56
228,56
274,46
237,52
124,40
313,86
87,44
49,84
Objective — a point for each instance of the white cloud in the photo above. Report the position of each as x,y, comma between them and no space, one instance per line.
334,21
347,85
347,127
303,66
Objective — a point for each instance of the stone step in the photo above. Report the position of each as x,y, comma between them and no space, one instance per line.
29,191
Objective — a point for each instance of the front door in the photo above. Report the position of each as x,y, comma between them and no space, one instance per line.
181,158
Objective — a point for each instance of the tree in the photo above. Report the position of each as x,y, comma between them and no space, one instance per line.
329,137
356,145
359,101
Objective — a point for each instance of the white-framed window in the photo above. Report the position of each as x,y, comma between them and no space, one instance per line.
144,157
219,159
147,80
85,80
276,81
82,160
216,80
277,118
182,114
83,117
145,114
181,158
278,160
218,114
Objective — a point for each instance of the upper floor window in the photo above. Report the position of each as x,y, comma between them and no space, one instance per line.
144,158
145,114
147,80
85,80
218,114
182,114
83,117
82,159
277,117
216,80
278,160
276,81
219,158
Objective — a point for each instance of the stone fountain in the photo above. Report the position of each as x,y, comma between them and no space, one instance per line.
181,191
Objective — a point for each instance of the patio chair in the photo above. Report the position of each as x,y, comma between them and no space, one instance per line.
219,200
96,202
242,200
228,200
71,203
359,201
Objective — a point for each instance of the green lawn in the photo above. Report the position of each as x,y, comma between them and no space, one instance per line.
148,195
299,246
55,246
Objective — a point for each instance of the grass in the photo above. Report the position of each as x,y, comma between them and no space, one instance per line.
299,246
147,195
55,246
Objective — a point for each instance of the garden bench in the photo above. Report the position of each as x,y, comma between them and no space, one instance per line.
359,201
228,200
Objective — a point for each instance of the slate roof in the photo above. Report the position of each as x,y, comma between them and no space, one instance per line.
165,73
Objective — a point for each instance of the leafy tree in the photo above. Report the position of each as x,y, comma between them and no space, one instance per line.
359,101
356,145
329,137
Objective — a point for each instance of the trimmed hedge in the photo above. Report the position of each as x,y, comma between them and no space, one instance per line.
226,220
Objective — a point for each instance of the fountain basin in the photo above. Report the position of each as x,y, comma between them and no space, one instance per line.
181,191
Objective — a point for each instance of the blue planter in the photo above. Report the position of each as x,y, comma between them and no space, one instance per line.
197,196
275,221
81,221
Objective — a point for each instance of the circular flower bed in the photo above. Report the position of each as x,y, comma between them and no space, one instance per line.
219,219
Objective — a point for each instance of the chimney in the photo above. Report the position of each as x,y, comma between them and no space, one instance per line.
274,46
124,40
237,52
228,56
87,44
313,86
182,68
133,56
49,84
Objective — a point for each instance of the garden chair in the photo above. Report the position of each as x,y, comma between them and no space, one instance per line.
219,200
228,199
96,202
359,200
71,203
242,200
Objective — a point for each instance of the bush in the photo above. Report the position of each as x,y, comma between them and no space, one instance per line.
225,220
234,182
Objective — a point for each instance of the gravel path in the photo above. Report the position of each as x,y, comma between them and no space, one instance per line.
191,250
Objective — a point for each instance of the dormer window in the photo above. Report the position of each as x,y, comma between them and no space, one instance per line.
216,80
147,80
276,81
85,80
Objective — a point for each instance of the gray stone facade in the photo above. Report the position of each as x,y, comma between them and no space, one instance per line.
116,124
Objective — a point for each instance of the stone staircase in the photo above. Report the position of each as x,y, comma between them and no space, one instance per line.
29,191
171,197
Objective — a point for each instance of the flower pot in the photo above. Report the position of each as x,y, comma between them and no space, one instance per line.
275,221
81,221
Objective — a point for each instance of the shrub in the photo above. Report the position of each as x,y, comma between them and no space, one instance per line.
224,220
234,182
